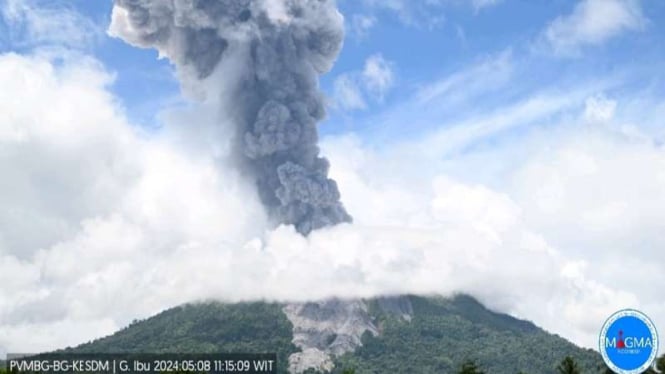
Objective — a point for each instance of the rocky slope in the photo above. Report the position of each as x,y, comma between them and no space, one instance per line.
327,329
406,334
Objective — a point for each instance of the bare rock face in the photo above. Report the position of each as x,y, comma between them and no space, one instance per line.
310,358
399,306
333,327
324,329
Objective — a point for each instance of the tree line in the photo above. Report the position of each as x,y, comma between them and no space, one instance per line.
567,366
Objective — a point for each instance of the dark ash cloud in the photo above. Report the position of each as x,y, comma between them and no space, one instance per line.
285,45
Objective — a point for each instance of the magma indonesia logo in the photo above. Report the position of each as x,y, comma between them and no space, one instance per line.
628,342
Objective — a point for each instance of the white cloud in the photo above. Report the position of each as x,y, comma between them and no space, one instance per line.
351,90
486,75
597,195
423,14
599,109
427,14
569,273
347,93
91,205
537,108
39,24
378,76
480,4
593,22
461,36
361,24
119,208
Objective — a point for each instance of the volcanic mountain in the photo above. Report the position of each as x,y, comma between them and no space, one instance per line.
405,334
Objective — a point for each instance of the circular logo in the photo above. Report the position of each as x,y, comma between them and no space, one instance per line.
628,342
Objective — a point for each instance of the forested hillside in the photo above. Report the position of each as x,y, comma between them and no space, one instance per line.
442,334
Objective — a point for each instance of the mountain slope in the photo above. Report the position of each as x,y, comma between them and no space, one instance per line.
437,336
205,328
446,332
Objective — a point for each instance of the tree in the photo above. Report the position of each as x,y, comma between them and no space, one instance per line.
605,370
470,367
657,368
660,364
568,366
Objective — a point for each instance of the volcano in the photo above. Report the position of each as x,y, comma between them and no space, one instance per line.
405,334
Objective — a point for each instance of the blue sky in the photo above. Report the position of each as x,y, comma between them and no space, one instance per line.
421,43
511,149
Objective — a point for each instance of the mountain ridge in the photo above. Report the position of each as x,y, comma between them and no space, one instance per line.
438,335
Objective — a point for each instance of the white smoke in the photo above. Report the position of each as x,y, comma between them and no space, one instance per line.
101,223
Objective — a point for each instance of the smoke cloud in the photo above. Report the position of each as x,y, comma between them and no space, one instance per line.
543,245
283,46
543,224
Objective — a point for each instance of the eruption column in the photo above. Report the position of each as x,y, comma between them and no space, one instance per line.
284,46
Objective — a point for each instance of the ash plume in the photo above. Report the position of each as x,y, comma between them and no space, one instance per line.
284,45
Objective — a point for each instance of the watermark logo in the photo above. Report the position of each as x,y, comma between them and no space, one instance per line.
628,342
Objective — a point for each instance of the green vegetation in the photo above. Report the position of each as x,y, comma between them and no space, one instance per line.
657,368
470,367
205,328
660,364
568,366
445,335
